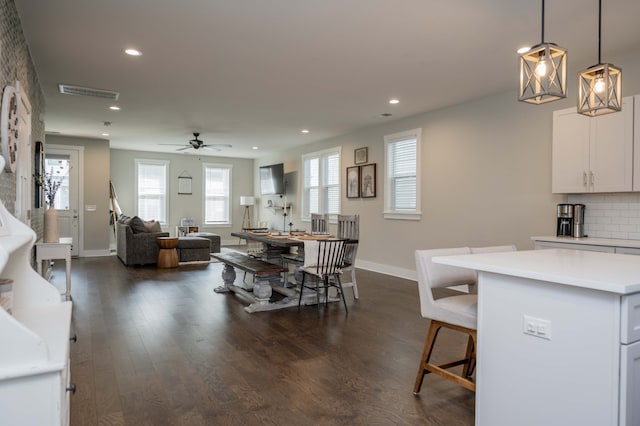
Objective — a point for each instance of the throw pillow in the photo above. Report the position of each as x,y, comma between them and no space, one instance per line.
137,225
152,226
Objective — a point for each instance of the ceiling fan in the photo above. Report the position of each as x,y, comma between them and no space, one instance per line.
196,143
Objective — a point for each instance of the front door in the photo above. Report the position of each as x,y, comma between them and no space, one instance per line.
64,164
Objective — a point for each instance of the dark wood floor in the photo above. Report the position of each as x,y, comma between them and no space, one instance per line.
159,347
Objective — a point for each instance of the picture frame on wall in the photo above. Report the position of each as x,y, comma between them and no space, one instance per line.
368,181
353,182
184,185
360,155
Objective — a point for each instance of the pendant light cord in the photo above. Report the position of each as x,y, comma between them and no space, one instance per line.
599,29
542,41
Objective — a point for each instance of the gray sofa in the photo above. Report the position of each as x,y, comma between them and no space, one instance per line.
135,246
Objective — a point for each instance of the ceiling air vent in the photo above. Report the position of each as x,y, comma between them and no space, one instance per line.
67,89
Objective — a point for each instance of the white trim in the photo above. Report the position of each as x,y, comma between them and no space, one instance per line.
390,213
80,151
381,268
167,164
229,223
96,253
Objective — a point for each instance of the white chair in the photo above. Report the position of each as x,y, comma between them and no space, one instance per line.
349,229
458,312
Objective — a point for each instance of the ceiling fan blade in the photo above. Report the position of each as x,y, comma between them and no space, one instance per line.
183,148
172,144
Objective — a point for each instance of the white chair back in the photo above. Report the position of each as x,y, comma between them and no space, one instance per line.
493,249
434,275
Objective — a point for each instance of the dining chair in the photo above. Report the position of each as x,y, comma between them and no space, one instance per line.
323,262
319,223
349,229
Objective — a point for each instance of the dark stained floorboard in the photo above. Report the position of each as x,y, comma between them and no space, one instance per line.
159,347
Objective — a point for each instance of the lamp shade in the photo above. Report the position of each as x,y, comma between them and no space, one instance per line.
543,74
247,201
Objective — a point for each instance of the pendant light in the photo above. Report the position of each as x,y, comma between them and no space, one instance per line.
543,72
600,86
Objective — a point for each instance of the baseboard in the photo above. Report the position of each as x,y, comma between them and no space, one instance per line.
96,253
381,268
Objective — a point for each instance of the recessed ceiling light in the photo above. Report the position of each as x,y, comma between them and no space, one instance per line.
394,101
254,147
133,52
304,131
386,114
105,134
524,49
114,108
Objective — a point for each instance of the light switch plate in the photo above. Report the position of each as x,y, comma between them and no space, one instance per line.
537,327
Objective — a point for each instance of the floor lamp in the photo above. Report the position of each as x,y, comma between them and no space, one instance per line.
246,202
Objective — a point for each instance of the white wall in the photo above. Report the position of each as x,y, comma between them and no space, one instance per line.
486,176
182,205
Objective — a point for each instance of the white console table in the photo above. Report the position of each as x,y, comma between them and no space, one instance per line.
52,251
558,337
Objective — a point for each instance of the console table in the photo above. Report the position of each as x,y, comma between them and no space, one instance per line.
52,251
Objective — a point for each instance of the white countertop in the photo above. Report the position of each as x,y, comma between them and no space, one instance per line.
615,273
609,242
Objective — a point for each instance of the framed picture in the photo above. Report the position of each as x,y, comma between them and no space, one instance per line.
184,185
360,155
353,182
368,181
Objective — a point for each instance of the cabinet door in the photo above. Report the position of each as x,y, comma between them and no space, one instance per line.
611,150
636,143
630,385
570,152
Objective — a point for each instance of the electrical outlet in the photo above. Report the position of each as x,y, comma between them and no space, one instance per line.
537,327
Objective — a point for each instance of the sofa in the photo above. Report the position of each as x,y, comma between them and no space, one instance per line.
136,240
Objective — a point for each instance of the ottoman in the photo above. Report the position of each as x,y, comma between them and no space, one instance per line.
194,249
214,238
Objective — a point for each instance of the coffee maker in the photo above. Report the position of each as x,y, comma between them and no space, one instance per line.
565,220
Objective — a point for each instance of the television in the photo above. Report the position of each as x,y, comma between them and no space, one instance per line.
272,179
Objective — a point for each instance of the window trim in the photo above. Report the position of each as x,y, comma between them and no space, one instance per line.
389,212
154,161
333,218
229,222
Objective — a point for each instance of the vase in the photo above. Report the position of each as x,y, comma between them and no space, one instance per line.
51,230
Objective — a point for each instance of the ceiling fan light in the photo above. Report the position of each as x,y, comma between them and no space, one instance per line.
543,74
600,90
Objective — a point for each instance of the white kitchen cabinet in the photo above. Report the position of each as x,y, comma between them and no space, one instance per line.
34,328
593,154
636,143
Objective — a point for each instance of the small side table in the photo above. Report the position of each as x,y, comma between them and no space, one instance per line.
168,255
59,250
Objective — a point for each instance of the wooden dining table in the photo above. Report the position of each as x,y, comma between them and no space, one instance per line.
274,245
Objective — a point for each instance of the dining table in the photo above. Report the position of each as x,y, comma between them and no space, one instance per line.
274,245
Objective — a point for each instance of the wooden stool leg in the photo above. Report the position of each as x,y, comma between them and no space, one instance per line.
434,327
470,355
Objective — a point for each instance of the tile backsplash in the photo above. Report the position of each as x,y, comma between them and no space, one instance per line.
610,215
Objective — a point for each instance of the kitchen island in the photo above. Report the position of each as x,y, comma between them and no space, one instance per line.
558,337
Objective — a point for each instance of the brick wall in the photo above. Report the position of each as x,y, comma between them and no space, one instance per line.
16,64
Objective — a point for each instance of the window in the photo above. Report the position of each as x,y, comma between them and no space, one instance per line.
151,190
217,194
402,175
321,183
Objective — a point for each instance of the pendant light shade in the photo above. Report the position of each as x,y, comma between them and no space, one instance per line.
543,72
600,86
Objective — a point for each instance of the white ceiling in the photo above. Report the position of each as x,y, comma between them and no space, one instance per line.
256,72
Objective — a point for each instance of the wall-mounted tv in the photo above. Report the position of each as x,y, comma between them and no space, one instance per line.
272,179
